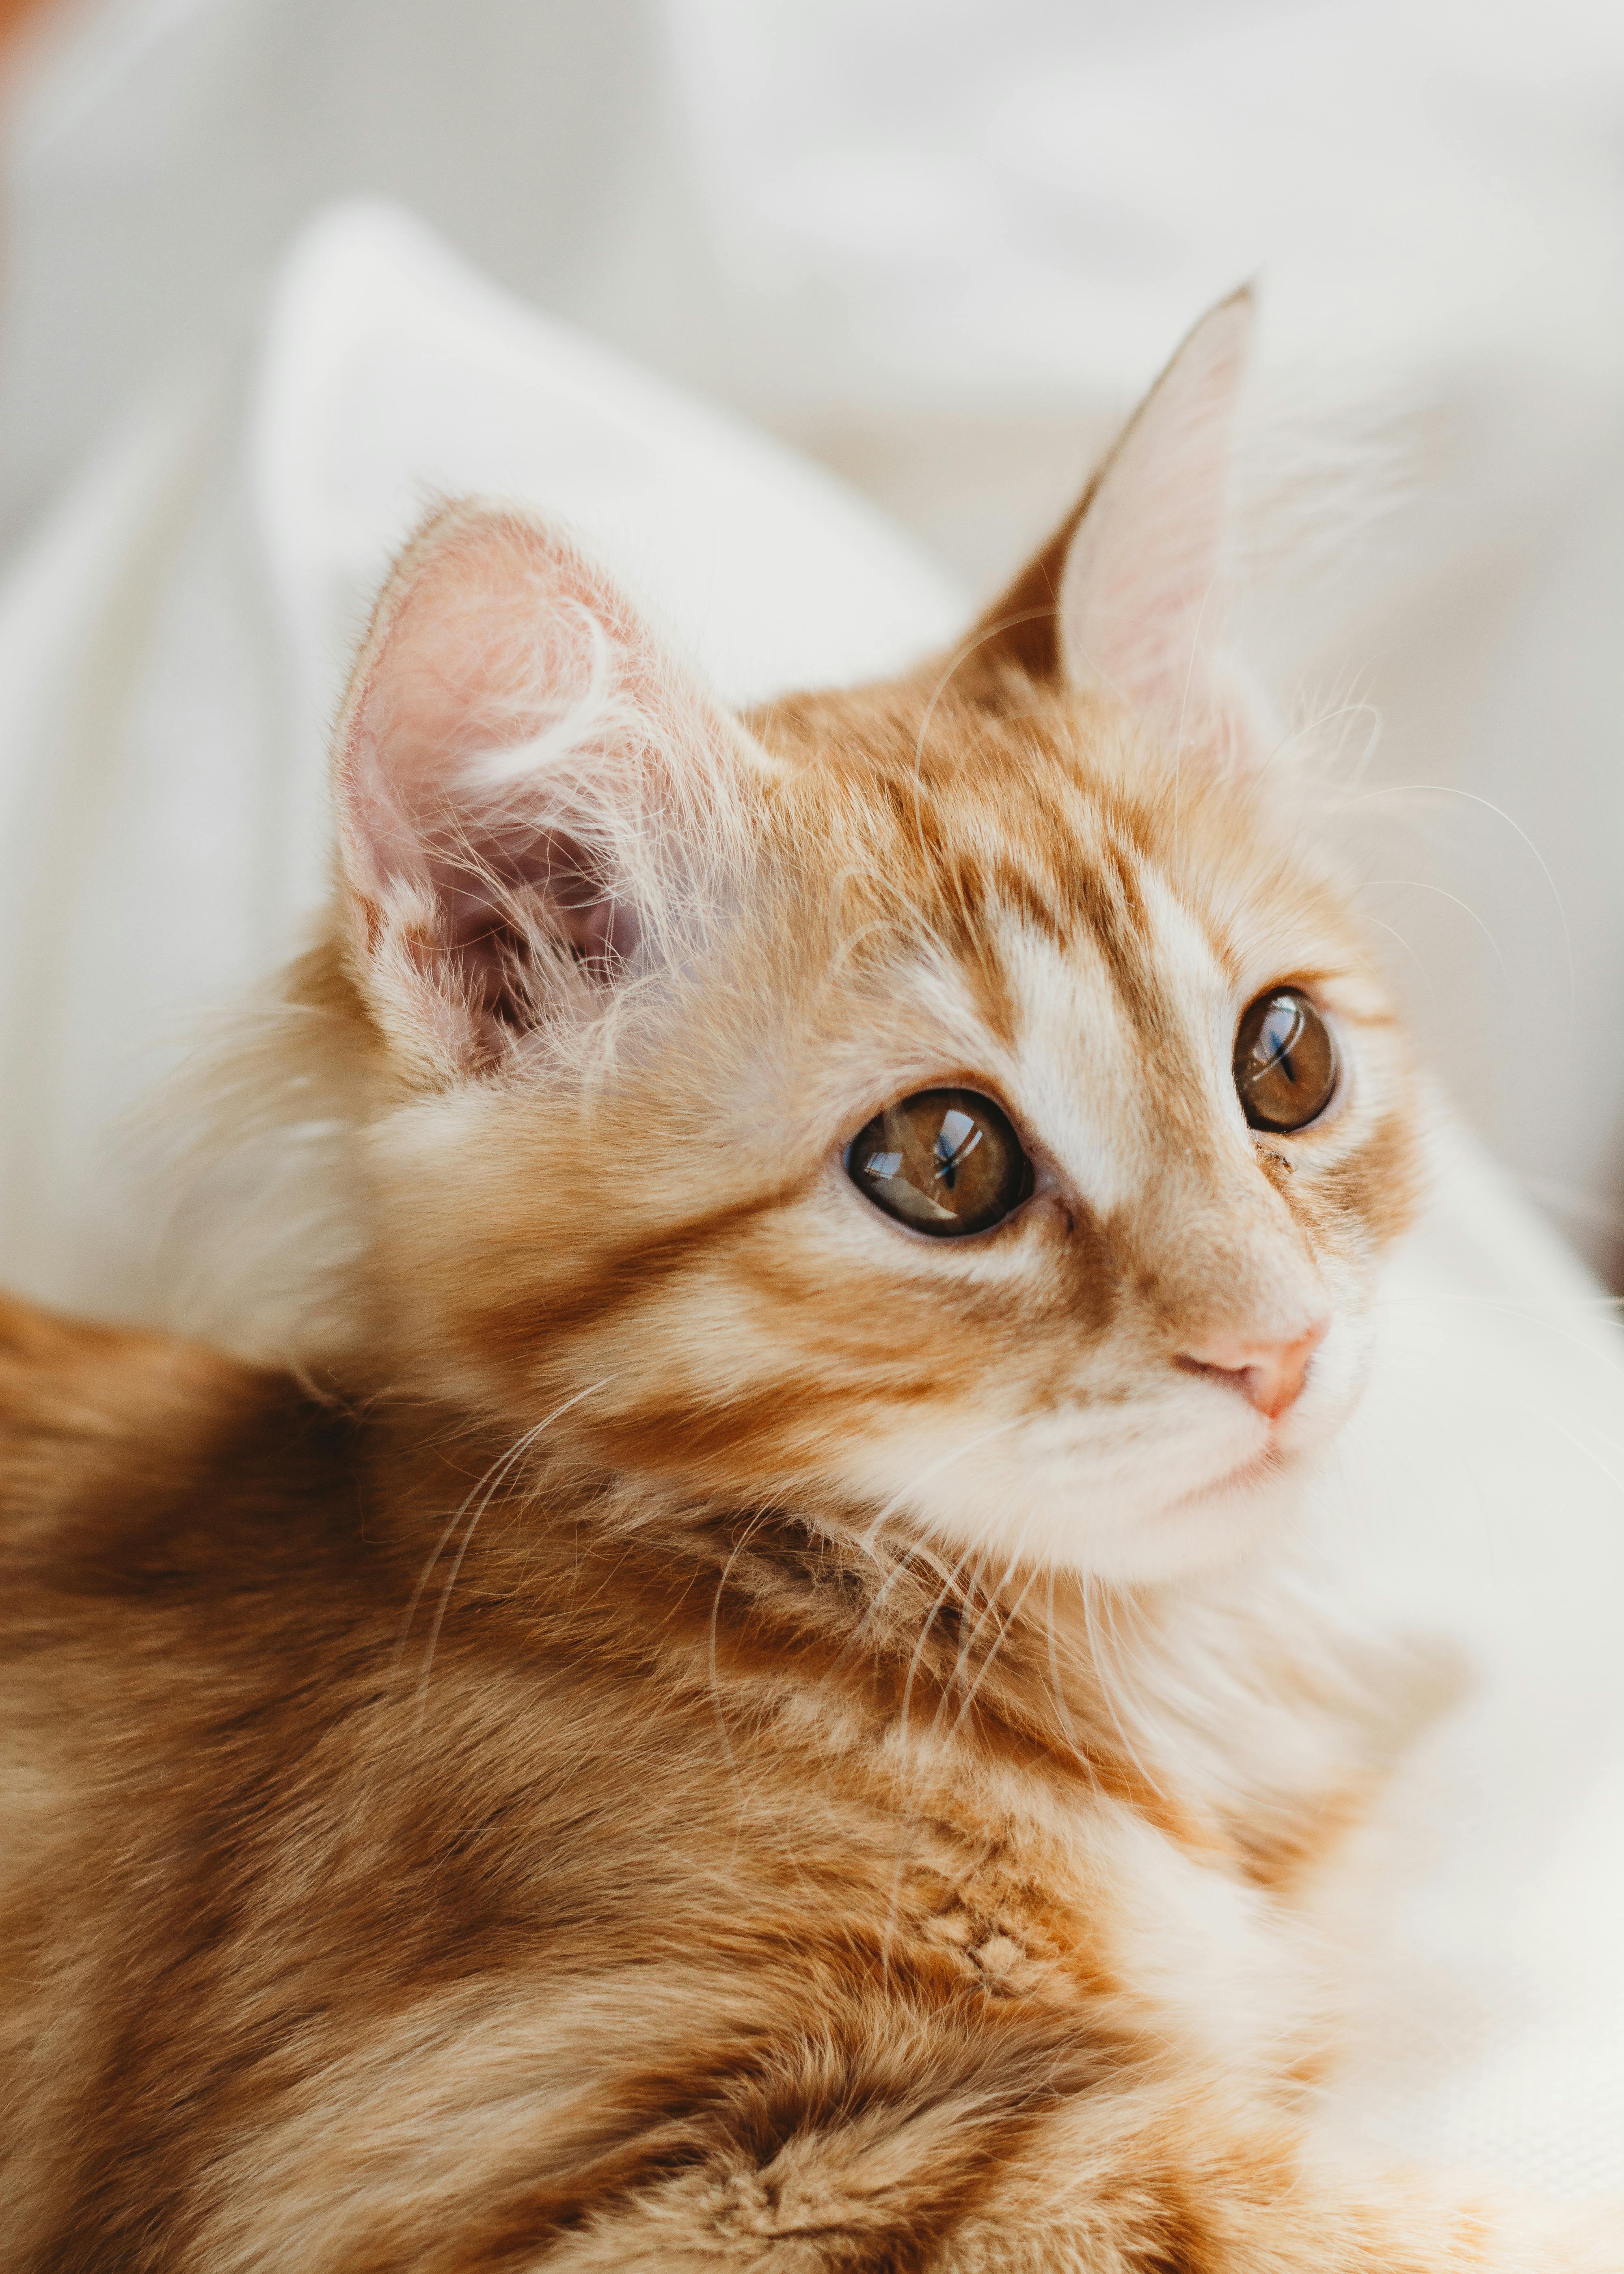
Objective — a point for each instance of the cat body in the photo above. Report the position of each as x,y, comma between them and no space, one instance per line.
753,1705
623,1907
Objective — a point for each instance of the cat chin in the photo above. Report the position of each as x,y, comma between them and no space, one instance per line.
1206,1529
1120,1540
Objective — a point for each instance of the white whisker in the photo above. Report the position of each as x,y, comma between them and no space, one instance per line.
492,1481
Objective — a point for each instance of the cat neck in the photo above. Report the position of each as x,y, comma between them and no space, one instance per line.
1165,1698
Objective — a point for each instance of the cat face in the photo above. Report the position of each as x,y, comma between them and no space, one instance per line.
960,1107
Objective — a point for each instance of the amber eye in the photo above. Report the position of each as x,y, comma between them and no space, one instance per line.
1285,1061
945,1161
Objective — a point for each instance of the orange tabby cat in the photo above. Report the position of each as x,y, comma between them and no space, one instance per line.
762,1716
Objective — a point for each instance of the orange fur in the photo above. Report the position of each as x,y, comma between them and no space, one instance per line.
702,1729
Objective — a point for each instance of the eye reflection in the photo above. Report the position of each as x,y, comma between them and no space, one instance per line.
1285,1061
945,1161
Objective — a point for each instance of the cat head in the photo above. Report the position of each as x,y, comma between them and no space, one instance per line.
964,1106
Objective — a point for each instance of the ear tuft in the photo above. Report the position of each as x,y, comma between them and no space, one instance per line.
531,795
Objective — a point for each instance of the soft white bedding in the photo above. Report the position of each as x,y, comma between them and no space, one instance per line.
172,644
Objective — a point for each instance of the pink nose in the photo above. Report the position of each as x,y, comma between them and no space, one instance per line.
1270,1374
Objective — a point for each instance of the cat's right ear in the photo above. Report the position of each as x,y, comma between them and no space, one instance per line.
1129,594
534,801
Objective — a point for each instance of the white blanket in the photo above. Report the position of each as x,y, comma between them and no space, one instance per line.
172,645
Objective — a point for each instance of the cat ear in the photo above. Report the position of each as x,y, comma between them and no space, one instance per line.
1129,592
530,795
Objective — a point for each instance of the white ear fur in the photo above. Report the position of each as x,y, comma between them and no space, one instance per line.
532,801
1140,599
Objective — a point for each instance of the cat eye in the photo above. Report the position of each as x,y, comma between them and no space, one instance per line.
1285,1061
945,1161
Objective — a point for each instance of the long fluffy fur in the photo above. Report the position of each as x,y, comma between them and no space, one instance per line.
699,1730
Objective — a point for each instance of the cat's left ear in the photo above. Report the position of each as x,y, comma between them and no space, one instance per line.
1129,592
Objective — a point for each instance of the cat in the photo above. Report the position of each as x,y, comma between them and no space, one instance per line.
757,1706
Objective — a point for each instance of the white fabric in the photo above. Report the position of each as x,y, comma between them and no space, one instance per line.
174,641
172,645
1479,1497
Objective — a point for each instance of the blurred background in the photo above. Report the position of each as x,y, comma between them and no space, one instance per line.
941,248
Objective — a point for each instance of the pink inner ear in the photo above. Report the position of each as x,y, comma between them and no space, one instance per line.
497,639
1139,600
481,891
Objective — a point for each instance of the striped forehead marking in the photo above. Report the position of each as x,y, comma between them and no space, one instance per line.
1096,891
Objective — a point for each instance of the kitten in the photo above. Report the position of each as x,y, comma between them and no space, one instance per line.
762,1716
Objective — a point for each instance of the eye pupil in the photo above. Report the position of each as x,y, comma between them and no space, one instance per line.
945,1161
1285,1061
956,1139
